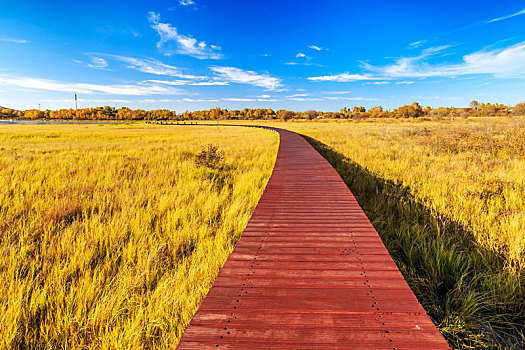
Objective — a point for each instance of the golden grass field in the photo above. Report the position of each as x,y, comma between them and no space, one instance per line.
448,199
110,235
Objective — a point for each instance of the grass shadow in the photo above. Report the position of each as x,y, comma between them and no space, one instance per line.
471,296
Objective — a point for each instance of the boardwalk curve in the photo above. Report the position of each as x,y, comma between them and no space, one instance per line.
309,272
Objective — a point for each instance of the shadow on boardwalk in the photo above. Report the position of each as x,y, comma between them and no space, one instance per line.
463,287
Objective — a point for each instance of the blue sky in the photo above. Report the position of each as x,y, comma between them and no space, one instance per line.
299,55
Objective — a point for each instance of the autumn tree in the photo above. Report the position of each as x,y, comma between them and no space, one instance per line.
519,109
377,112
310,114
474,104
412,111
286,115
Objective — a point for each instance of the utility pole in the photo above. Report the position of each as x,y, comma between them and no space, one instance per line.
39,107
76,105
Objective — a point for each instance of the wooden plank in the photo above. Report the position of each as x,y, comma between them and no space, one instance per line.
309,272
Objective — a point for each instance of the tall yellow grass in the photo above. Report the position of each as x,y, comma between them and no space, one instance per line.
110,235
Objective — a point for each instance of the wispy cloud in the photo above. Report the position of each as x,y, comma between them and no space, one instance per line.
155,100
184,44
357,98
14,40
344,77
189,82
228,99
304,99
88,100
299,95
316,48
377,83
507,17
417,44
240,76
507,62
239,99
197,100
242,99
303,60
337,92
140,89
151,66
405,82
187,2
95,63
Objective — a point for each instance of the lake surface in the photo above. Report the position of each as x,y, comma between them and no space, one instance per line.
14,121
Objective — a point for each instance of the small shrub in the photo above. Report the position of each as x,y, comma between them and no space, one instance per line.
209,157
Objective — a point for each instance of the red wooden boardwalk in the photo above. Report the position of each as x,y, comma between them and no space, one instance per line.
309,272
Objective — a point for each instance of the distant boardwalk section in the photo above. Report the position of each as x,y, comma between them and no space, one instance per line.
309,272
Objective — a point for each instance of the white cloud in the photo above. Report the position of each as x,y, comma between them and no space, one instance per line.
291,63
264,96
405,82
238,99
337,92
316,48
187,2
153,100
88,100
377,83
237,75
303,58
197,100
98,63
152,66
211,83
507,62
141,89
344,77
14,40
417,44
359,98
507,17
189,82
299,95
304,99
184,44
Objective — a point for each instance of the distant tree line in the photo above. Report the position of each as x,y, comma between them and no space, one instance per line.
414,110
97,113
